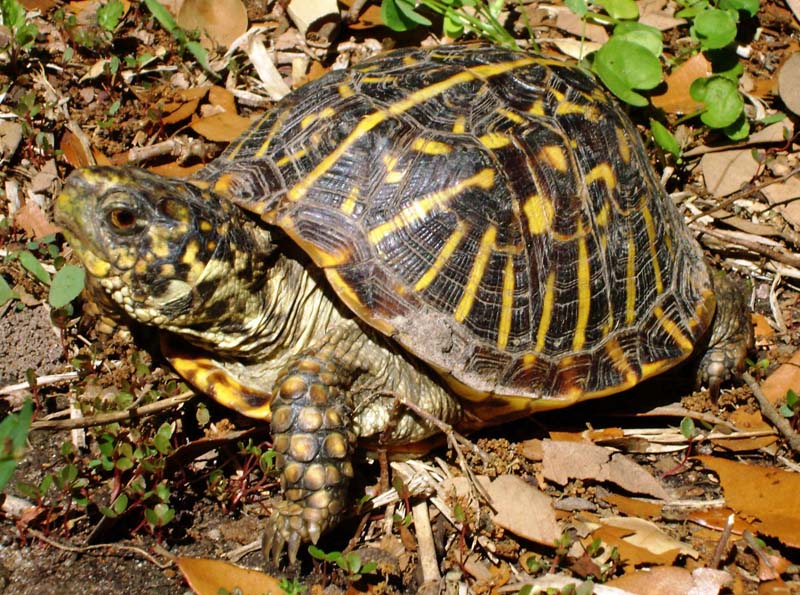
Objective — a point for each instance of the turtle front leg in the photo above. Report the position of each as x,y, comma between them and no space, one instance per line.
312,436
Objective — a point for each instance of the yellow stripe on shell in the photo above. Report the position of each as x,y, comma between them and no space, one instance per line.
602,172
511,115
349,297
291,157
349,203
623,146
673,330
651,240
276,129
441,259
494,140
621,363
507,305
321,258
554,156
566,108
537,108
539,212
546,316
345,91
370,121
476,274
420,208
630,281
431,147
460,125
584,290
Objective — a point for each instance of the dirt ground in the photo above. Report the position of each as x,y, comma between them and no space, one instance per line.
112,419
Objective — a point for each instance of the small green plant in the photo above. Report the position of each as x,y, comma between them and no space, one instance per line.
350,563
186,42
292,586
459,16
23,32
13,435
791,408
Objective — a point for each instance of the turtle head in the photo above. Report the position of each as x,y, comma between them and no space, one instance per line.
170,253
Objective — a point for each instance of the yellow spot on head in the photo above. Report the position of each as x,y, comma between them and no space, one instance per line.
539,212
205,226
494,140
554,156
476,274
160,247
431,147
190,252
167,270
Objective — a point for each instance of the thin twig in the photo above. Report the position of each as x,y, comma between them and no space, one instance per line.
113,547
781,423
774,254
116,416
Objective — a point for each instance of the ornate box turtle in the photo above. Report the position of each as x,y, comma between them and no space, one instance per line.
473,230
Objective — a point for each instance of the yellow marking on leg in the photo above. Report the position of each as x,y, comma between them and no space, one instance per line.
476,274
431,147
584,290
370,121
507,306
651,240
419,209
441,259
539,212
554,156
630,281
349,203
621,363
673,330
602,172
460,125
547,311
494,140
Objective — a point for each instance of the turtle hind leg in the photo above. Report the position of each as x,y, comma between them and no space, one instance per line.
314,442
731,337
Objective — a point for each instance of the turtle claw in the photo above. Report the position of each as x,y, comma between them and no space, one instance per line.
289,527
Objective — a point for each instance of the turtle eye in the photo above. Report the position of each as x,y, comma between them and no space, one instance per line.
122,219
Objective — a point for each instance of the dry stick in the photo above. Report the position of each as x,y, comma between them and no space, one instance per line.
784,257
719,551
781,423
425,546
105,546
107,418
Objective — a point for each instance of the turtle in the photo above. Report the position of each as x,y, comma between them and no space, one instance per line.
461,234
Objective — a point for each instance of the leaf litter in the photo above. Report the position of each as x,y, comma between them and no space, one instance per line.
590,492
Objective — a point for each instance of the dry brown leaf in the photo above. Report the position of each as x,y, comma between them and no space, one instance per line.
717,518
33,221
770,495
629,553
221,97
222,20
10,138
74,151
667,580
175,170
725,172
633,507
179,111
583,460
786,377
369,18
677,99
784,195
762,328
222,127
41,5
789,83
778,132
208,577
568,21
775,588
523,510
746,422
648,535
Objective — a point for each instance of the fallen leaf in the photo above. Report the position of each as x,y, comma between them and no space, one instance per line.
786,377
34,222
222,20
523,510
223,98
725,172
772,496
633,507
775,588
717,518
761,326
789,83
221,127
778,132
74,151
747,422
667,580
783,195
175,170
208,577
646,534
10,137
676,99
583,460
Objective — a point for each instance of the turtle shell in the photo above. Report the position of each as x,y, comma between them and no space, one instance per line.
493,212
